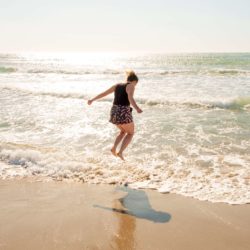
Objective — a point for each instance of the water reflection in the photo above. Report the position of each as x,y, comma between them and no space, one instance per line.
124,238
136,203
133,205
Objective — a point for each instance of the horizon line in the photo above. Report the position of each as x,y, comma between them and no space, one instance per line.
117,52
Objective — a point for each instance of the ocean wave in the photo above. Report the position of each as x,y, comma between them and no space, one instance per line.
207,72
237,103
142,73
51,71
73,72
84,71
61,71
44,93
240,103
101,72
231,71
7,70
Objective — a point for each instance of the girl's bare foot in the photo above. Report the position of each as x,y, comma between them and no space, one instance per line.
121,156
113,152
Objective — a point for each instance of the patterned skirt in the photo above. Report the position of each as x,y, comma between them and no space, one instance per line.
121,114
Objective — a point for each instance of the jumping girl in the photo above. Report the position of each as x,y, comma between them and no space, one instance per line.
121,112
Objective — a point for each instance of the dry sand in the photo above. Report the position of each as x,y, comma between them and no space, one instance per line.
59,215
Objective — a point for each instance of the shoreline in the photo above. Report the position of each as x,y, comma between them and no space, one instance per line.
56,215
45,179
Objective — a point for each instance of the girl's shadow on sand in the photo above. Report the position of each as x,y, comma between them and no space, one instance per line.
136,203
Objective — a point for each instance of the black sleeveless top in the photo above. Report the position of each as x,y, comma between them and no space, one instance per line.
121,96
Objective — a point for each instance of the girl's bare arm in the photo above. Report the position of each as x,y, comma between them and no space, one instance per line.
130,90
105,93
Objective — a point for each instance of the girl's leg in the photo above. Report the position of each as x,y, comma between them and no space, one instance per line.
118,140
129,129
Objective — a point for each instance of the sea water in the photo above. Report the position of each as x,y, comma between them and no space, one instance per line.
193,137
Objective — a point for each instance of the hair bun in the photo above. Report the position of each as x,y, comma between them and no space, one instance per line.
131,76
130,72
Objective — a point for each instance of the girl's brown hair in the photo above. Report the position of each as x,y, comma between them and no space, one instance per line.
131,76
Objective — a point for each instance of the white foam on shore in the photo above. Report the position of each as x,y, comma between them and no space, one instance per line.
212,184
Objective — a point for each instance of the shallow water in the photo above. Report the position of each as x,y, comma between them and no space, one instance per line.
193,137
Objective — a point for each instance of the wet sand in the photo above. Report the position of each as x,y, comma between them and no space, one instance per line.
59,215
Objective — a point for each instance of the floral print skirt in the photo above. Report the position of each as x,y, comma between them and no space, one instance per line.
120,114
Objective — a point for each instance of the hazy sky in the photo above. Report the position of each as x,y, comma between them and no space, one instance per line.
119,25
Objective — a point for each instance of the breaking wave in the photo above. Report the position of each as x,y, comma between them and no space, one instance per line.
240,103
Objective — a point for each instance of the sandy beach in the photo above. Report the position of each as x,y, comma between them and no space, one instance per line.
59,215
